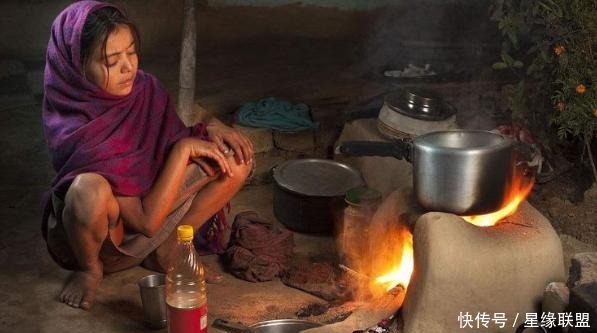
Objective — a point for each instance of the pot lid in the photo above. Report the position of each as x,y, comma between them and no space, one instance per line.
317,177
420,104
362,195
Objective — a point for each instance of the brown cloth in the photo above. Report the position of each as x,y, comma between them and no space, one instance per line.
258,250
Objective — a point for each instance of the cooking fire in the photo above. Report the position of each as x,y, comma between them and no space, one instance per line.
393,265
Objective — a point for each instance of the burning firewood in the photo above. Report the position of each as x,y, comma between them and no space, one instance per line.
353,273
322,279
383,326
369,314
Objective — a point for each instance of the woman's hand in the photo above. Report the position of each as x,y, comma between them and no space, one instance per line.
199,150
227,138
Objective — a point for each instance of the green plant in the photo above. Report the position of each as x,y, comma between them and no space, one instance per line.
551,46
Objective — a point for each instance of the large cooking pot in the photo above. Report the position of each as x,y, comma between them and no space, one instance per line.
465,172
269,326
309,192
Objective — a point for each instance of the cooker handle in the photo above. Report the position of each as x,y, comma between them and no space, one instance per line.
400,149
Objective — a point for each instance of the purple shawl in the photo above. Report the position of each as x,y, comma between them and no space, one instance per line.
123,138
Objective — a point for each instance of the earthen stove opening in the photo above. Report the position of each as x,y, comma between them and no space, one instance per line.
439,272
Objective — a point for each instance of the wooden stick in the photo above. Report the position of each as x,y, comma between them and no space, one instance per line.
369,314
353,273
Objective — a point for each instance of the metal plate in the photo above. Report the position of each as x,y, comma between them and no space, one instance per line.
317,177
283,326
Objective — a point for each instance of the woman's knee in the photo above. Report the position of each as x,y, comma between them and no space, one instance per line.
88,197
241,171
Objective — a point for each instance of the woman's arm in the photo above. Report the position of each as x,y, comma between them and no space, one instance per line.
147,214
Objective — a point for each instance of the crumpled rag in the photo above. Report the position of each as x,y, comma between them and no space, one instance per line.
258,250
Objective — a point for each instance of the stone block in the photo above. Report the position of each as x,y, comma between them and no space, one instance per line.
555,298
263,168
583,301
303,142
583,269
384,174
261,138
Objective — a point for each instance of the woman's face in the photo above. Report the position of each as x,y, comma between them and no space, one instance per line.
115,70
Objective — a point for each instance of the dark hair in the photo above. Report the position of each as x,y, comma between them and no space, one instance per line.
98,26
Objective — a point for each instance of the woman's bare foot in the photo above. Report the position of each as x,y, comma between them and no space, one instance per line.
79,291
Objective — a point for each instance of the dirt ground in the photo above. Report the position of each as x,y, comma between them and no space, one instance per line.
570,202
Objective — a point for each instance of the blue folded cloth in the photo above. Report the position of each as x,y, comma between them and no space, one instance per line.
276,114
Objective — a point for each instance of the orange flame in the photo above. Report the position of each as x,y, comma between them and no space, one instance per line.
401,274
401,264
521,188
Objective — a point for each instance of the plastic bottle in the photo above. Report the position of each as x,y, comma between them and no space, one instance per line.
186,293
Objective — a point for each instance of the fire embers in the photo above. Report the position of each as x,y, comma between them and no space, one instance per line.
383,326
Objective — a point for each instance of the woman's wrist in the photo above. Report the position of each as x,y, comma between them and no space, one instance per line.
181,148
213,122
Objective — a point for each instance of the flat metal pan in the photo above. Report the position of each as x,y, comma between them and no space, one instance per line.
317,177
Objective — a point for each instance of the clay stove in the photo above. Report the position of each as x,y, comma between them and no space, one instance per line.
461,269
465,278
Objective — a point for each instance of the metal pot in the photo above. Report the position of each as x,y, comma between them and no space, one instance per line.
411,112
416,103
419,103
308,192
269,326
465,172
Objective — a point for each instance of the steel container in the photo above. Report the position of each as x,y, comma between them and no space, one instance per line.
465,172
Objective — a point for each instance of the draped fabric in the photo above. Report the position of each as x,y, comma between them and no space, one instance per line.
123,138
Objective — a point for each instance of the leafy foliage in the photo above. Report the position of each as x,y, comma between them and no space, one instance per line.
551,45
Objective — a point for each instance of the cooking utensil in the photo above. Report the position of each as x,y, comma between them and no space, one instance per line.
465,172
269,326
307,191
406,113
419,103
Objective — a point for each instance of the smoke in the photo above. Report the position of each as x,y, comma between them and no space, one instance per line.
448,35
379,246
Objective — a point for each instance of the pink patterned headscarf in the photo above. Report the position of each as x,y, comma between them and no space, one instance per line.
123,138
